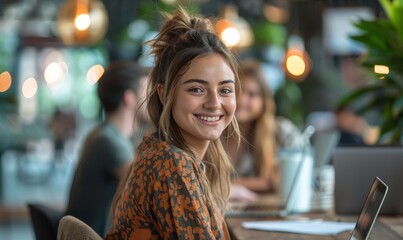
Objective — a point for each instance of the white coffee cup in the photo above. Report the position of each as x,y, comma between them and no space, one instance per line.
289,163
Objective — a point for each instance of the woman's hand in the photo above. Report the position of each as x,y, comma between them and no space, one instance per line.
241,193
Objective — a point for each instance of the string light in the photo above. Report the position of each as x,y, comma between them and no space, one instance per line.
297,63
5,81
381,69
231,27
29,88
82,22
94,74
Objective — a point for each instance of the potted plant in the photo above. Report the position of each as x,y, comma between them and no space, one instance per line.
383,38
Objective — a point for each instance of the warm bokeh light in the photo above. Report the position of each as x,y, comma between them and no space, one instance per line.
231,27
29,88
230,36
94,73
275,14
5,81
295,65
53,73
381,69
221,25
82,22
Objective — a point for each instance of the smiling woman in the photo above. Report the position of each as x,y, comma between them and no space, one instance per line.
178,184
204,108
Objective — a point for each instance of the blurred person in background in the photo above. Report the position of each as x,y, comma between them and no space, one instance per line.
107,150
255,159
62,125
354,129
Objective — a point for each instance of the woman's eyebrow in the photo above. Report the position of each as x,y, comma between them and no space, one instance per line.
196,81
204,82
227,81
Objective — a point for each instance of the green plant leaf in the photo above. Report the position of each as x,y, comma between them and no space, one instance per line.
396,136
386,126
398,105
378,100
370,41
388,120
355,94
383,39
388,8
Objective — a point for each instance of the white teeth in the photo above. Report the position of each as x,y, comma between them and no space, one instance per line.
209,119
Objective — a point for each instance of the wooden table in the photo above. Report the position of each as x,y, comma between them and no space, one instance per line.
385,228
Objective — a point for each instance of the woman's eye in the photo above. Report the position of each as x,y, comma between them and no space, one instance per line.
196,90
226,91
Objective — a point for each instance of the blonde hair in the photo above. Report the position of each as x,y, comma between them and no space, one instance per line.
181,40
264,141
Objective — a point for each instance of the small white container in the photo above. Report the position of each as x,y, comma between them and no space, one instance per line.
289,163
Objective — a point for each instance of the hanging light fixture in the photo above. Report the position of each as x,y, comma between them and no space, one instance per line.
233,30
82,22
297,63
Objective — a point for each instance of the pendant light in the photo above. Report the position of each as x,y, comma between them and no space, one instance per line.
82,22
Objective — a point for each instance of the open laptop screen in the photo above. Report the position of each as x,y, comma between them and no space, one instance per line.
370,210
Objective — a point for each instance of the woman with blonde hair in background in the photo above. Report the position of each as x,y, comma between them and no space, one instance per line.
263,133
179,182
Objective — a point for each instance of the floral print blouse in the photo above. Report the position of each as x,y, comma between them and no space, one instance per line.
163,198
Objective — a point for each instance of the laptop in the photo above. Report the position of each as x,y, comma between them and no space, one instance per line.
370,210
361,228
355,167
262,209
324,144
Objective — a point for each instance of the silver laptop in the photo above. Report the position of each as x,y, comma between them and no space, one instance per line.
324,144
264,209
370,210
355,167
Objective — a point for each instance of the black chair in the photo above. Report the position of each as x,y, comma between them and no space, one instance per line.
45,221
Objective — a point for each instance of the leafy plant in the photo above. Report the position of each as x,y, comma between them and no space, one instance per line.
384,41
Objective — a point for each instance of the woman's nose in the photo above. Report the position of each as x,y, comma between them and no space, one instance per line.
212,101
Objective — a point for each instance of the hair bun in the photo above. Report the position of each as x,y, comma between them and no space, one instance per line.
176,29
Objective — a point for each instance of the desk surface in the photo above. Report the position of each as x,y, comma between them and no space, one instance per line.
385,228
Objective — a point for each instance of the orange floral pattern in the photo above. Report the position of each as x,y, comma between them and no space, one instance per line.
164,199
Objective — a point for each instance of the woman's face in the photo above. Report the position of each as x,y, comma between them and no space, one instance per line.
250,103
205,101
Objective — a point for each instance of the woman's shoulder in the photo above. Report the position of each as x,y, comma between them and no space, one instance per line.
161,155
153,145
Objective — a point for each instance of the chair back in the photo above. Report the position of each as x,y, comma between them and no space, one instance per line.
72,228
45,221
